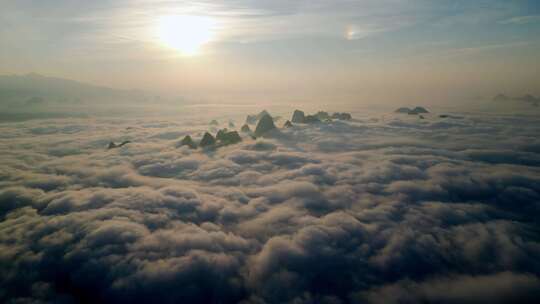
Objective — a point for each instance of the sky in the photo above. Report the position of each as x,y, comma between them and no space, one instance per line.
313,50
384,208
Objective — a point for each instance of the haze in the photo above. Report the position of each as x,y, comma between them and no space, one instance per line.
354,51
270,151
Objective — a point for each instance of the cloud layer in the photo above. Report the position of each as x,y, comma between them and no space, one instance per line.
382,209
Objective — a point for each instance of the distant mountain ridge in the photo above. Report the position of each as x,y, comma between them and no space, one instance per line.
528,98
34,90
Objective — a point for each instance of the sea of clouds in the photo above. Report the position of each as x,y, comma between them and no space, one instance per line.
385,208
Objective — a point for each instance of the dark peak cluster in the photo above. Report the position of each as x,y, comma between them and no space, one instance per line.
298,116
221,133
207,140
265,122
527,98
421,111
223,137
245,128
321,116
228,137
414,111
188,141
264,126
253,119
342,116
311,119
112,145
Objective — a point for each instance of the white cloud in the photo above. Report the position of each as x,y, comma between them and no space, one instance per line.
349,210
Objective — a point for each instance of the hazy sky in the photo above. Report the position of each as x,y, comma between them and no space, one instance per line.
314,49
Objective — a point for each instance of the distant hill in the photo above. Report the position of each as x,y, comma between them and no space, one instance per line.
34,90
535,101
527,98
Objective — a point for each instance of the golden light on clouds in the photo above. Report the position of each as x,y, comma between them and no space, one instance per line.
186,33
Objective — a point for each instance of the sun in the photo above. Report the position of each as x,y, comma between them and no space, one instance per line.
186,33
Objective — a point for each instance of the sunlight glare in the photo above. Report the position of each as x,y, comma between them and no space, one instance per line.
187,34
